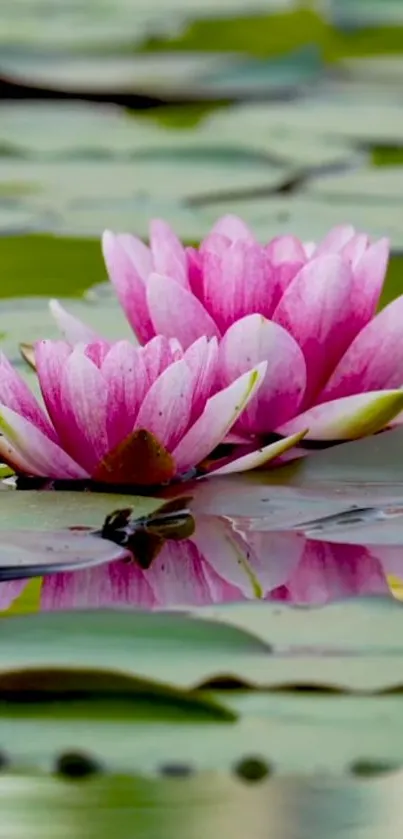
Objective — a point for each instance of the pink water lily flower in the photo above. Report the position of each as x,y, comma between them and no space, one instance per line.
334,366
123,414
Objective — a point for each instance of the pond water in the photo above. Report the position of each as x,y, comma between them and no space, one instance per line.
171,660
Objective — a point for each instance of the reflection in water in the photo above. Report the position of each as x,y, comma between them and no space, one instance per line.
224,560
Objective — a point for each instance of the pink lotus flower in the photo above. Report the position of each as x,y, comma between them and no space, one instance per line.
123,414
308,310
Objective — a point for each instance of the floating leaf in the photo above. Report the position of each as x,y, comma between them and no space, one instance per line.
32,553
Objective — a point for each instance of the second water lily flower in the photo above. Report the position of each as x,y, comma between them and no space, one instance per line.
121,414
307,309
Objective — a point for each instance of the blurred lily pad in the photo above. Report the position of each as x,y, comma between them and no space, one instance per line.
31,509
371,185
171,76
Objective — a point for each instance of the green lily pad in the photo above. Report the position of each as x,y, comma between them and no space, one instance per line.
184,807
31,509
261,645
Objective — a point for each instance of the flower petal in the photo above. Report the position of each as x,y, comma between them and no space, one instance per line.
176,312
195,271
129,285
157,355
202,361
234,228
138,253
260,457
97,352
177,577
21,465
237,283
335,240
116,584
166,408
329,572
348,418
9,591
316,310
374,360
83,403
355,248
50,358
48,459
224,550
253,561
169,255
253,339
15,393
221,412
285,249
126,381
73,330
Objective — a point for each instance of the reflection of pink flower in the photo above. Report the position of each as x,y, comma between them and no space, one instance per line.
221,563
122,414
306,309
330,571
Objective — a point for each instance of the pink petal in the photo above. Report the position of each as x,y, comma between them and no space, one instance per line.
48,460
348,418
252,561
287,255
234,228
316,310
249,341
374,360
166,408
224,551
97,352
369,276
260,457
335,240
355,248
129,285
169,255
9,591
221,591
237,284
273,556
202,361
50,358
221,412
157,355
73,330
82,418
329,572
13,458
126,381
176,312
15,393
285,249
138,253
177,578
195,271
117,584
215,243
